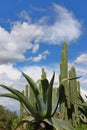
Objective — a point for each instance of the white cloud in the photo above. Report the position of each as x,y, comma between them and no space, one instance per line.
29,35
65,27
11,76
35,48
82,59
25,16
39,57
9,71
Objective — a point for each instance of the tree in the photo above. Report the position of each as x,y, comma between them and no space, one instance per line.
7,118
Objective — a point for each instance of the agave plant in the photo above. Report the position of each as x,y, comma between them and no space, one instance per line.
42,116
83,109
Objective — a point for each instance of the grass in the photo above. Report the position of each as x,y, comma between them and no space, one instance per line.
81,127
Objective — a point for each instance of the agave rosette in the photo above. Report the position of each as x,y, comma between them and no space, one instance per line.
46,105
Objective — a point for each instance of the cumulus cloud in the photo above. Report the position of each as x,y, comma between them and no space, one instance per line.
11,76
65,27
35,48
26,35
39,57
82,59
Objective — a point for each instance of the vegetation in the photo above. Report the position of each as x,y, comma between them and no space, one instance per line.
40,116
69,110
81,127
8,119
40,100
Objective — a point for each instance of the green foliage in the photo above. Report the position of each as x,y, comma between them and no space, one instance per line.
43,100
40,117
83,109
7,119
81,127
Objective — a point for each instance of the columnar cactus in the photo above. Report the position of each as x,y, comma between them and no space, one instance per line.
71,90
64,74
21,108
69,110
74,93
43,76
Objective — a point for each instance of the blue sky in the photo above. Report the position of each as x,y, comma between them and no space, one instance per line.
31,37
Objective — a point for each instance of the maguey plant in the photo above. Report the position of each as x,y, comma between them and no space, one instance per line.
41,116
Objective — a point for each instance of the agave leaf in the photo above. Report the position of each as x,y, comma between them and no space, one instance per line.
10,96
34,88
14,97
49,97
32,84
65,125
55,124
55,102
61,93
59,124
40,104
83,110
72,78
45,85
81,98
82,104
83,118
42,111
58,98
24,100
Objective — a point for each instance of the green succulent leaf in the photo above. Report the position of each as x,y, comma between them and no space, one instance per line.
25,101
35,90
72,78
49,97
83,118
58,98
55,102
45,85
32,84
59,124
61,93
81,98
10,96
82,104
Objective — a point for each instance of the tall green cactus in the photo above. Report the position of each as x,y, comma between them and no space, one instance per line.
64,74
69,110
21,108
43,75
73,84
64,71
